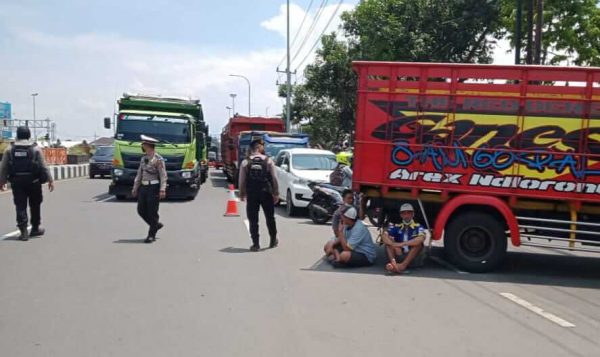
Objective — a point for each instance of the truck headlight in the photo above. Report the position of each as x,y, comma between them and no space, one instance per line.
118,172
186,174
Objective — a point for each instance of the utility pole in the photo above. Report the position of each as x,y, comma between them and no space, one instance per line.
288,103
233,95
530,5
538,32
249,91
33,95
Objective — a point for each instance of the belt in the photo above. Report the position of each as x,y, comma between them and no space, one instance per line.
151,182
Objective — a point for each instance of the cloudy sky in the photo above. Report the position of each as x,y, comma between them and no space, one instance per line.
80,55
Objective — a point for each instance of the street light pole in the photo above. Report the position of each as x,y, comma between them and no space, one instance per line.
33,95
233,95
228,110
288,106
249,90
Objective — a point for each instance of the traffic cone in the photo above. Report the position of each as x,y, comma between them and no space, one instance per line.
232,206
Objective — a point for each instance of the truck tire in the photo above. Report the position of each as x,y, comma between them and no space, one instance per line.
475,241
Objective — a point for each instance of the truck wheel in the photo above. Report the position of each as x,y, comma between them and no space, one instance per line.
121,197
475,241
290,209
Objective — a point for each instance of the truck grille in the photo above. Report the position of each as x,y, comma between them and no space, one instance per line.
172,162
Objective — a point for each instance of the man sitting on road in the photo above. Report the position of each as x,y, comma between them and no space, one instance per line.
355,248
336,222
404,241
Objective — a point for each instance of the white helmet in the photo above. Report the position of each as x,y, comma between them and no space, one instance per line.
407,207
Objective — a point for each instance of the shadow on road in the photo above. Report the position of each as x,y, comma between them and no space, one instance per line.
519,268
235,250
218,180
131,241
16,239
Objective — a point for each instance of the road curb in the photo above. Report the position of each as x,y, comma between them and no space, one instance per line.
64,172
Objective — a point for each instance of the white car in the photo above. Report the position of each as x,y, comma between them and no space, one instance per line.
295,169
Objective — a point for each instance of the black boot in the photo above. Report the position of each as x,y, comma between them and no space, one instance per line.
24,234
37,231
149,239
274,242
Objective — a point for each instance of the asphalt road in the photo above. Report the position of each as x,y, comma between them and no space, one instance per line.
91,288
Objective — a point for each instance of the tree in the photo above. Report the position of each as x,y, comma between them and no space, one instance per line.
389,30
424,30
571,30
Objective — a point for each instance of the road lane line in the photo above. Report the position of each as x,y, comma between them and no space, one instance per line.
447,265
537,310
247,223
106,199
12,234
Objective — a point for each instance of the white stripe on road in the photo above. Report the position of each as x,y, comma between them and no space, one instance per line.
106,199
12,234
447,265
247,223
537,310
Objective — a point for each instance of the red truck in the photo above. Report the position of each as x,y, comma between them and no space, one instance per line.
487,153
230,136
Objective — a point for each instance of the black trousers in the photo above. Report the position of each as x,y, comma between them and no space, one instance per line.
148,201
27,193
255,200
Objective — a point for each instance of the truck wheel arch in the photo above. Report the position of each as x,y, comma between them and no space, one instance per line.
492,202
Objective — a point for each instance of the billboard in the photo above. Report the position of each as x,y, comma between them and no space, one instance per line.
5,120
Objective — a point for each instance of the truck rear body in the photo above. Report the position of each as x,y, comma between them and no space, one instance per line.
230,138
527,136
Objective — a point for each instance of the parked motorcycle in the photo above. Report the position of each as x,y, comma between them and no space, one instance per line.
325,201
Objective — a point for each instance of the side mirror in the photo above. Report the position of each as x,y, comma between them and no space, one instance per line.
107,123
285,167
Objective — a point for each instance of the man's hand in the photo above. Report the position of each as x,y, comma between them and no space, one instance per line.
51,186
134,193
162,194
3,186
275,199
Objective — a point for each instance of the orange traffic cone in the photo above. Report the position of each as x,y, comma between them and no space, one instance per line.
232,207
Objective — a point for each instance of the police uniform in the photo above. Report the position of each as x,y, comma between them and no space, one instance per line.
24,167
150,180
258,182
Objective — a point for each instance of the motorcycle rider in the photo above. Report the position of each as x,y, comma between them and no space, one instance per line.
342,174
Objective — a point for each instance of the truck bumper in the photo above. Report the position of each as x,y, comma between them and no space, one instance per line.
177,185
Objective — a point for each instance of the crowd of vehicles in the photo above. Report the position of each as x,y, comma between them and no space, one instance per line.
179,126
489,154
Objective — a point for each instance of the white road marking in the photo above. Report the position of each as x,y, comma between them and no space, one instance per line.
106,199
537,310
12,234
445,264
247,223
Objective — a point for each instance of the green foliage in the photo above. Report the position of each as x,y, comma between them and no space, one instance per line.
571,29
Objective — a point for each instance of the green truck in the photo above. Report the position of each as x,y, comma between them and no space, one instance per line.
179,126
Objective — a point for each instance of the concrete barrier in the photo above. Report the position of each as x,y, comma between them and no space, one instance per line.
64,172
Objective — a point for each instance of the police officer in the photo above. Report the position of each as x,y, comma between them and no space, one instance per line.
150,186
258,184
24,167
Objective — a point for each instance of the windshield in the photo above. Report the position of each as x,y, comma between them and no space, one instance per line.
173,130
104,151
313,162
272,149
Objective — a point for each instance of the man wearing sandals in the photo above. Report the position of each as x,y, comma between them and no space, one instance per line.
404,241
355,248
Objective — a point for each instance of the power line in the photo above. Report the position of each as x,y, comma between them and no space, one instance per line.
321,35
311,28
306,12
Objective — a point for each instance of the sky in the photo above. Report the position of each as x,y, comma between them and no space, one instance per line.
80,56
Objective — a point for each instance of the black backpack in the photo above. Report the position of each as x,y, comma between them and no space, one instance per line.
24,166
258,175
